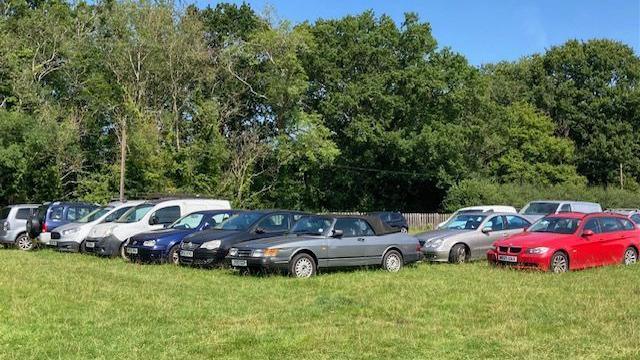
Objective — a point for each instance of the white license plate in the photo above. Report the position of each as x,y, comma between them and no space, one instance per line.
53,243
238,262
90,245
186,253
132,250
508,258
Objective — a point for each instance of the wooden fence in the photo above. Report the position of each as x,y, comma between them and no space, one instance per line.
416,220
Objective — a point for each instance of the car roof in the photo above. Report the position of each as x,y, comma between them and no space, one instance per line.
484,213
23,205
486,207
565,202
379,227
579,215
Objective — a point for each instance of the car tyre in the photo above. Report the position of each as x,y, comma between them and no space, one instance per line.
404,230
24,242
123,251
302,266
173,257
559,263
392,261
630,256
458,254
82,248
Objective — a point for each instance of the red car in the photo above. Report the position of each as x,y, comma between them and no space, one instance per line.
570,241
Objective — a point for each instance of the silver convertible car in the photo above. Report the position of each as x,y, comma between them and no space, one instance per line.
327,241
469,236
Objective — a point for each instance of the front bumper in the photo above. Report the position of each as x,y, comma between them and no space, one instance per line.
146,254
105,246
523,261
435,254
266,263
203,257
67,246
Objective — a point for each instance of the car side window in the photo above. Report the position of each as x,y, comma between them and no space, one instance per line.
627,225
565,208
636,218
516,222
365,228
57,213
349,227
593,225
116,214
218,218
71,213
23,213
166,215
610,224
495,223
274,223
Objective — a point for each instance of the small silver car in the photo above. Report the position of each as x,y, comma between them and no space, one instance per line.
469,236
13,225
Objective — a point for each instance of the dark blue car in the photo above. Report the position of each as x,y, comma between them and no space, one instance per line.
163,245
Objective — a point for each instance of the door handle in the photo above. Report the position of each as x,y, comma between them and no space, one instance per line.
361,239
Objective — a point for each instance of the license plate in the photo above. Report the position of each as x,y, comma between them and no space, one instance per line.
53,243
508,258
132,250
238,262
90,245
186,253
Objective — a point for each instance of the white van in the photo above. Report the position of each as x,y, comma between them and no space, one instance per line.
70,237
481,208
109,239
536,210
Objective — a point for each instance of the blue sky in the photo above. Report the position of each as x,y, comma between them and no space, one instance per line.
489,30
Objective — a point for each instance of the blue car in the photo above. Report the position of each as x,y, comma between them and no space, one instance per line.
164,245
49,216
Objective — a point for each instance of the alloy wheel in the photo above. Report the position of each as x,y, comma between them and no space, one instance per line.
393,262
461,255
175,257
630,256
559,263
303,268
24,243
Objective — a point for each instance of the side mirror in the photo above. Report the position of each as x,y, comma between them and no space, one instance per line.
206,226
260,230
525,228
337,233
587,233
166,225
486,229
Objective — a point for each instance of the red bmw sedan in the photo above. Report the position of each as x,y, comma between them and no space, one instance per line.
570,241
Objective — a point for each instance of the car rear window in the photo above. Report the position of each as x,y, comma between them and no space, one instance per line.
23,213
4,213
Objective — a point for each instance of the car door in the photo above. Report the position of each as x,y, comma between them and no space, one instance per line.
612,245
272,225
164,216
349,249
493,229
586,252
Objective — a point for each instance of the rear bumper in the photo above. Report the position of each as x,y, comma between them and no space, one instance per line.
524,261
9,237
203,257
44,238
106,246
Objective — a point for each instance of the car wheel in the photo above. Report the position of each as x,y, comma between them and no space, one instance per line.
173,257
392,261
630,256
458,254
24,242
82,248
559,263
123,251
404,230
302,266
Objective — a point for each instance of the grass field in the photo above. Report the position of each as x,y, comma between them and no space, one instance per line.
75,306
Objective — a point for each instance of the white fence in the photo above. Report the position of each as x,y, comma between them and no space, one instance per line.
415,220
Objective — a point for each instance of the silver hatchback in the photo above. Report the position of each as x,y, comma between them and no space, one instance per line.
13,225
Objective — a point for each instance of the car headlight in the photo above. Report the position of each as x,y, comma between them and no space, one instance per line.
149,243
211,245
435,243
70,231
233,252
257,253
537,250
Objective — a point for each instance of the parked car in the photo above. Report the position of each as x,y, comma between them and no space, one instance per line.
480,208
570,241
468,236
109,239
536,210
164,245
394,219
71,237
50,216
632,214
327,241
210,247
13,225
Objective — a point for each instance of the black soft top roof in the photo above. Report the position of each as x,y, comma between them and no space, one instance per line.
379,227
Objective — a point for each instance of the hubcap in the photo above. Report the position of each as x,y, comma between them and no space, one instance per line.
403,230
630,257
24,243
559,264
393,263
303,268
175,258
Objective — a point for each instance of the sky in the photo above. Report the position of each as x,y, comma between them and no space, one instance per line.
485,31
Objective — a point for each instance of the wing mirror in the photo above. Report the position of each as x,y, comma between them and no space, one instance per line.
486,229
587,233
337,233
260,230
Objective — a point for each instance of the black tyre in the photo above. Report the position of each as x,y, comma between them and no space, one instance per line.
173,256
559,263
123,251
630,256
458,254
24,242
82,248
404,230
302,266
392,261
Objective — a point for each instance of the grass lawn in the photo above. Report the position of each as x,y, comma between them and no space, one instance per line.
56,305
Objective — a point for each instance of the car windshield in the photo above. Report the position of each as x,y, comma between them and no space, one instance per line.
311,225
540,208
556,225
464,222
4,213
94,215
135,214
240,222
190,221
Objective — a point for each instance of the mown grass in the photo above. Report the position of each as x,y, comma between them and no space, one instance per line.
74,306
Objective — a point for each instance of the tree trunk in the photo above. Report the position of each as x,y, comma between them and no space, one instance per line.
123,157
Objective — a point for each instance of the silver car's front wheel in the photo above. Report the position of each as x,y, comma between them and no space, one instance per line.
630,256
458,254
302,266
392,261
24,242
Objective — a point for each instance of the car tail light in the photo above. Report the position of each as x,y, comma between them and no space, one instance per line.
6,226
44,227
418,247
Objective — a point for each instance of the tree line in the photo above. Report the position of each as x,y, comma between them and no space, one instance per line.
355,113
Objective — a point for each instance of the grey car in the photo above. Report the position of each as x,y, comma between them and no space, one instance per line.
13,225
469,236
328,241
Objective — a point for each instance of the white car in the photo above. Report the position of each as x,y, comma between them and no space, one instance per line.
110,239
480,208
536,210
70,237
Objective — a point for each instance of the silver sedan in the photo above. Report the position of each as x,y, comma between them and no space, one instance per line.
469,236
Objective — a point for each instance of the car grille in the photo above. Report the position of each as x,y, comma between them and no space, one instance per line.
244,252
512,250
504,249
189,246
515,250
